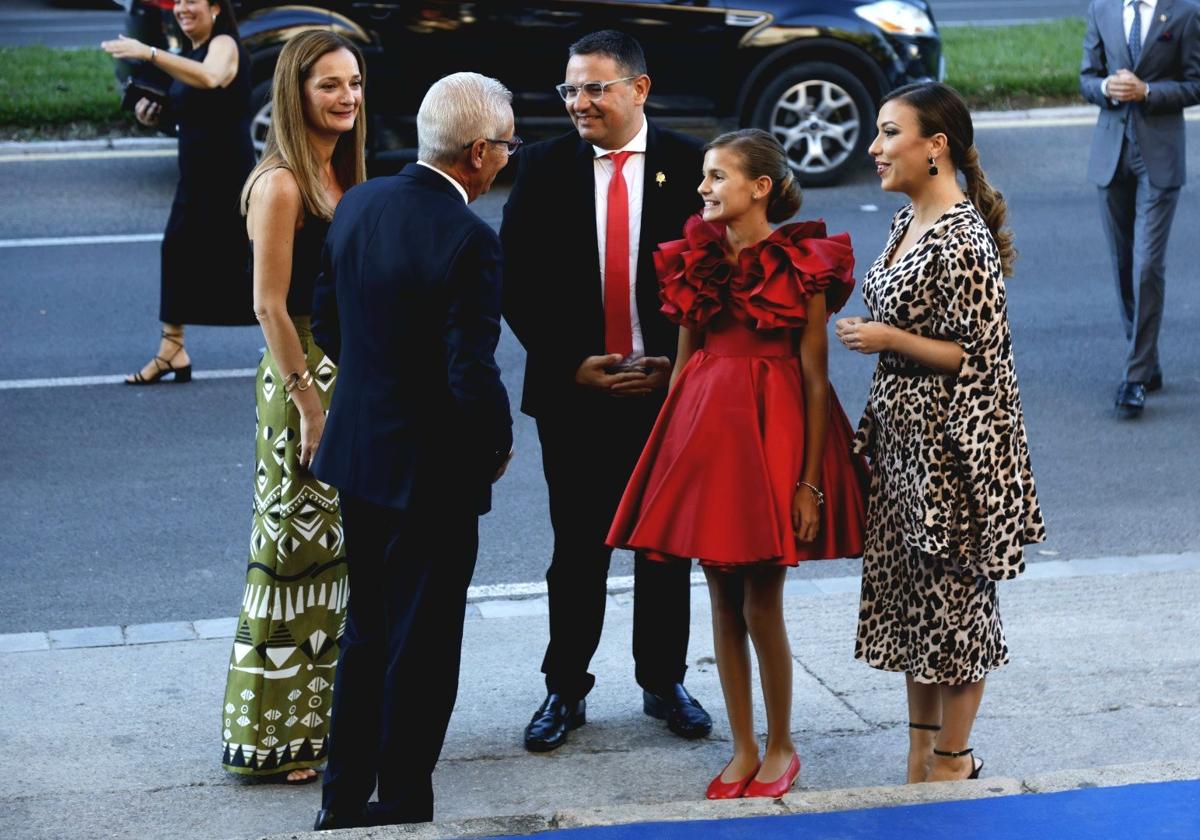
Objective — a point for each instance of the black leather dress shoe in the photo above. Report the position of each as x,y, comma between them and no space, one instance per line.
1154,383
552,721
329,821
1131,399
682,712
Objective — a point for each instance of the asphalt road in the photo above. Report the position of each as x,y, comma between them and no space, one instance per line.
125,505
84,23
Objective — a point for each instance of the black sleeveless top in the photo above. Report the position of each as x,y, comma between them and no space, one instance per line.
306,259
215,149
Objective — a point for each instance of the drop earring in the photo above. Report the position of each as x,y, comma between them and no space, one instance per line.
933,170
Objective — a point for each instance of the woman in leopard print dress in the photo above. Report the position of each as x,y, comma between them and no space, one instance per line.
952,494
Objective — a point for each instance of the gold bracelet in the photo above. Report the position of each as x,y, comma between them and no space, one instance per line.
817,494
297,382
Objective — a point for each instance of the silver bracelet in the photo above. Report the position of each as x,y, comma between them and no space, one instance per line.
153,54
817,494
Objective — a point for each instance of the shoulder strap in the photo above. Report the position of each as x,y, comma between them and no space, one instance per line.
246,209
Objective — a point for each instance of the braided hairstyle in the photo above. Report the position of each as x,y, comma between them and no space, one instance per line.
941,110
761,155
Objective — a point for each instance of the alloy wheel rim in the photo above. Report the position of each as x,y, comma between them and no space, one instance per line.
818,124
258,128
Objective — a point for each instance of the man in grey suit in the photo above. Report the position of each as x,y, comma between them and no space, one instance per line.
1141,65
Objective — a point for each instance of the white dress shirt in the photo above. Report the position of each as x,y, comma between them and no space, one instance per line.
457,185
634,172
1145,9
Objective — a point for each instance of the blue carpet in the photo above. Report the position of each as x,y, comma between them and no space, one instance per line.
1161,811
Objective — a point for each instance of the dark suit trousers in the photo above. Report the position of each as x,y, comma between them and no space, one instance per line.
588,456
397,677
1137,220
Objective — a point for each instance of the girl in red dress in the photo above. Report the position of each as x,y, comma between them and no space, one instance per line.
748,468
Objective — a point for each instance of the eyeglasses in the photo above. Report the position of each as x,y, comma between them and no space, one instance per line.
512,145
594,90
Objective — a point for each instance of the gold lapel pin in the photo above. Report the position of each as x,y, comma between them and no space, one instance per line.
660,178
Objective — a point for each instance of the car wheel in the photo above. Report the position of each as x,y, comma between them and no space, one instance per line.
822,115
260,108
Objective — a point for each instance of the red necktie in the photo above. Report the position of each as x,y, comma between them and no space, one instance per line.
618,328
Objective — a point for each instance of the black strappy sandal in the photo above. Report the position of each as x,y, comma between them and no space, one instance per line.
163,367
976,766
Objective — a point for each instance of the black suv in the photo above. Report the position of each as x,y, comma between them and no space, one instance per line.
809,71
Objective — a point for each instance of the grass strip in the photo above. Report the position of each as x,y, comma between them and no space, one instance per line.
1002,67
42,87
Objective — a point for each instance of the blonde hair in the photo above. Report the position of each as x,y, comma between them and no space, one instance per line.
287,138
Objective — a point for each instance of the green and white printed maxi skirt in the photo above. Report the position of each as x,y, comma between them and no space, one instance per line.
277,696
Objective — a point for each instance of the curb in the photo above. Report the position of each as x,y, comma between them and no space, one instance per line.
523,600
1068,114
104,144
802,802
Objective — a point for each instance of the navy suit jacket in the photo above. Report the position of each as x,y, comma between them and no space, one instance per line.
408,305
552,295
1169,62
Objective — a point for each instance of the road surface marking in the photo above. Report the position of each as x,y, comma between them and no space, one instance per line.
112,379
56,241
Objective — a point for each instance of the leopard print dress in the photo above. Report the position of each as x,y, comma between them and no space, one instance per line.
952,497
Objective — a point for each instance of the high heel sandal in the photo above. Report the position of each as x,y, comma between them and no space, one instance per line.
976,766
163,367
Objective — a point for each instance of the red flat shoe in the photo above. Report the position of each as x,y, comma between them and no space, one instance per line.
777,788
718,789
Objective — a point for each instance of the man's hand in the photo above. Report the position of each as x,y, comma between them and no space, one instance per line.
1124,86
658,372
631,383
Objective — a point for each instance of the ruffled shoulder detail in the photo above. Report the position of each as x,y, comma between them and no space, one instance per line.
780,274
693,273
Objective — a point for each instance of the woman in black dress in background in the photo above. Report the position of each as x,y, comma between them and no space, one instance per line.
204,249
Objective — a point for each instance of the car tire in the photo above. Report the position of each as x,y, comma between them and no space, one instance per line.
260,115
822,115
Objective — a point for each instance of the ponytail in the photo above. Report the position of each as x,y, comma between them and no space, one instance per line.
991,206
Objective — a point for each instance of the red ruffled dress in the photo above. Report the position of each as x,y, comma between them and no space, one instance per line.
718,474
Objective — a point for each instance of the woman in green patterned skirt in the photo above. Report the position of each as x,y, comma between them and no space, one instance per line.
277,696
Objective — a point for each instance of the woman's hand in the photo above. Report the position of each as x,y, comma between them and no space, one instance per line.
805,514
126,49
312,425
863,335
147,112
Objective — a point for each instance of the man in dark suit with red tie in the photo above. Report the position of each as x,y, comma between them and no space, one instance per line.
580,228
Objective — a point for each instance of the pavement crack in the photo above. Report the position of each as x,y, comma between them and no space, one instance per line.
875,726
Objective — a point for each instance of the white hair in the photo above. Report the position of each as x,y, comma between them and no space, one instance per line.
458,110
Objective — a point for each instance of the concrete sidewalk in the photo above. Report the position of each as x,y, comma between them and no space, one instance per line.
124,740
